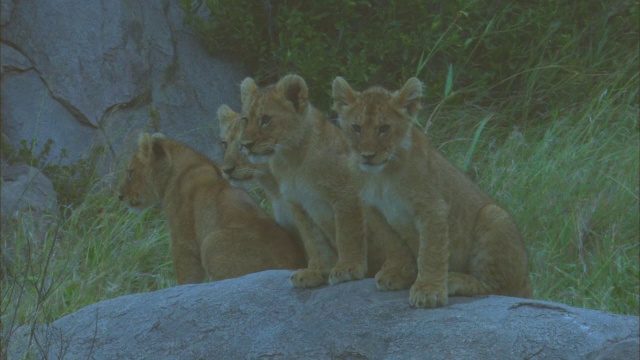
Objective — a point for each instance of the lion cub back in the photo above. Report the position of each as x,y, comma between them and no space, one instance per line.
216,229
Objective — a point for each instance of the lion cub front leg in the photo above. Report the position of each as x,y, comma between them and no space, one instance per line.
350,241
399,268
319,252
430,288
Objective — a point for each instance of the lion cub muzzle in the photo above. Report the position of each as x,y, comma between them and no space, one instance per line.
256,155
370,161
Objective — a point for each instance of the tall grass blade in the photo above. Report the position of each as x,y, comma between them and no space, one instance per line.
449,83
474,142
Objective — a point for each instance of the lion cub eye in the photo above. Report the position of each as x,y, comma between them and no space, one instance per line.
245,121
383,129
265,120
224,145
356,129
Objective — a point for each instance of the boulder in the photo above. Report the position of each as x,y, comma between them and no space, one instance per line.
262,316
26,189
95,73
27,196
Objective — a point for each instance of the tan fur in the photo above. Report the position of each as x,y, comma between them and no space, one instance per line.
308,157
461,242
242,173
216,229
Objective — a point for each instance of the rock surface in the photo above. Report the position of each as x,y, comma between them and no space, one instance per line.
25,188
95,73
28,195
262,316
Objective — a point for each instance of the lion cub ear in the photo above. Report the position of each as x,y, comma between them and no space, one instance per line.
149,148
408,98
145,144
294,89
343,94
248,89
226,117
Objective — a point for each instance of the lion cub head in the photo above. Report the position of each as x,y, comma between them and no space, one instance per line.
143,173
272,116
235,166
376,122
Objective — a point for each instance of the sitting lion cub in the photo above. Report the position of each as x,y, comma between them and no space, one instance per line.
463,243
240,171
216,229
308,157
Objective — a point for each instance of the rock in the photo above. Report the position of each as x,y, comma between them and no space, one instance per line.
26,189
262,316
33,114
27,196
12,59
113,68
6,8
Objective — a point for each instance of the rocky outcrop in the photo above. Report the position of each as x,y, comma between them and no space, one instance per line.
28,195
25,188
95,73
262,316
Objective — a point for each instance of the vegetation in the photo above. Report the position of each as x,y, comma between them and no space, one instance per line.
537,102
519,56
70,181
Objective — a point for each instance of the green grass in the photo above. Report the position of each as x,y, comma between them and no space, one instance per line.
573,190
99,252
571,182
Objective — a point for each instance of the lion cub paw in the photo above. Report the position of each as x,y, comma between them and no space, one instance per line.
307,278
343,272
395,278
424,294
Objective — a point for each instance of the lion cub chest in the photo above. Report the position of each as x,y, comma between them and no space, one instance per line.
296,189
395,209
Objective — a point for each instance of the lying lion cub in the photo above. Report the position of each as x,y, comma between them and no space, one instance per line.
308,157
463,242
216,229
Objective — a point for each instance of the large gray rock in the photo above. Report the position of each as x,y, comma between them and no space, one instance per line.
113,68
262,316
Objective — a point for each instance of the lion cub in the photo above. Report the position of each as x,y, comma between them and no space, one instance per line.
240,171
307,156
216,229
463,243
